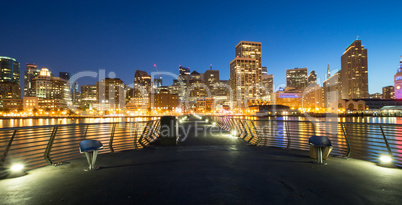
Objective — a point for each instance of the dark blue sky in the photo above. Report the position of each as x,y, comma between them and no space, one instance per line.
121,36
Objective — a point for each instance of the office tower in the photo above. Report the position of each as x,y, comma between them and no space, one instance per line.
296,78
195,85
110,94
157,84
312,78
31,72
332,92
9,70
388,92
398,81
211,77
183,70
9,78
246,71
354,80
43,84
268,83
88,96
142,83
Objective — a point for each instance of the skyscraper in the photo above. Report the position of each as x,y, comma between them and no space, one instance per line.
31,72
9,70
398,81
246,71
312,78
354,75
296,78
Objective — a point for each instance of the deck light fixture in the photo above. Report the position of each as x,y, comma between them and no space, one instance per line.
17,167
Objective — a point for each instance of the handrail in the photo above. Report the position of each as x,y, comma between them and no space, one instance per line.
66,125
367,140
37,146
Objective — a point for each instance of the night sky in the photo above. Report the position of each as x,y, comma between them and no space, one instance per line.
122,36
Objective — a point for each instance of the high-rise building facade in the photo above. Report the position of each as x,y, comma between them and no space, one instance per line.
31,72
388,92
142,84
246,71
312,78
9,70
354,74
211,77
110,94
88,95
398,81
296,78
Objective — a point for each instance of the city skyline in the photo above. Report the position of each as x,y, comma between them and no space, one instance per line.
96,39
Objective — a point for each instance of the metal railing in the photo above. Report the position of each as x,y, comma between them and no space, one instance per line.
38,146
367,141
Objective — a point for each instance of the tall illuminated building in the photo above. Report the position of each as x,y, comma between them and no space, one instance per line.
246,71
9,70
312,78
398,81
110,93
31,72
354,75
296,78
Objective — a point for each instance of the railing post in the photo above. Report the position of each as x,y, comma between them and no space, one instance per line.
347,140
50,145
312,124
386,142
86,131
3,158
135,136
112,137
256,133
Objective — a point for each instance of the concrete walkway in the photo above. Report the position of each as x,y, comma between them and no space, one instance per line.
207,170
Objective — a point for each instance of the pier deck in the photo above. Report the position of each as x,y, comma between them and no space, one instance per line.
207,170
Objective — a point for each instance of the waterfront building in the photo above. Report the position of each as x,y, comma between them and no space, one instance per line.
164,101
110,94
293,100
388,92
313,98
30,103
296,78
31,72
11,104
398,81
246,71
354,74
9,70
